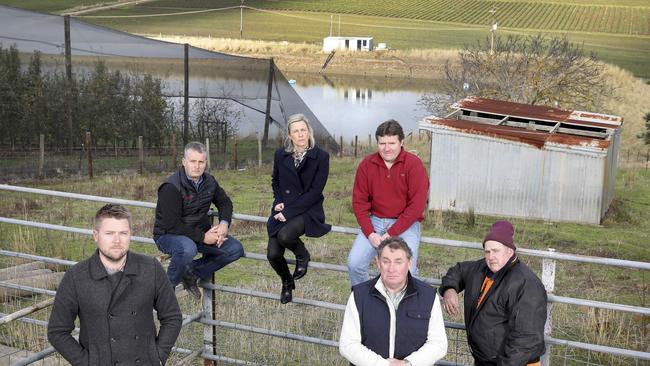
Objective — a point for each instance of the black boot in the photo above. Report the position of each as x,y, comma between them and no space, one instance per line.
190,282
302,261
287,286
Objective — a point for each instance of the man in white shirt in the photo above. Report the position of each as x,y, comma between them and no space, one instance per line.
393,319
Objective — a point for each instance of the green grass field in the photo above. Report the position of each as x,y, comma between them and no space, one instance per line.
583,16
627,51
618,31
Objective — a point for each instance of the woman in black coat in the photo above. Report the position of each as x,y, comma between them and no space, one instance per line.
300,171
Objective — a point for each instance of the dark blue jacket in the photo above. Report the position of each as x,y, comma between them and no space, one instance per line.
301,190
412,317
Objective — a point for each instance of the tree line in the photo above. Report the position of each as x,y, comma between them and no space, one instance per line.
114,106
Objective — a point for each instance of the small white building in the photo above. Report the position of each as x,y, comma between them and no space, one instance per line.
517,160
347,43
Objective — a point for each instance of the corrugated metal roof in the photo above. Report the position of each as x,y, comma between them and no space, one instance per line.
536,138
542,113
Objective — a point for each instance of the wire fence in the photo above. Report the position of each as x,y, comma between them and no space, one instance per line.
253,328
48,161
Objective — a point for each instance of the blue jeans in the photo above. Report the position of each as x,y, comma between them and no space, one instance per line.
362,252
183,249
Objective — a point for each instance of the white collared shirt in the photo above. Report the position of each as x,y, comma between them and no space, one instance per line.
350,347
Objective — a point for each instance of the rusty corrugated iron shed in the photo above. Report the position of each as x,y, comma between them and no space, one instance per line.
542,113
515,160
536,138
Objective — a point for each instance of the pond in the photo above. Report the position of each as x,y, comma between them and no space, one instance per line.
352,106
346,105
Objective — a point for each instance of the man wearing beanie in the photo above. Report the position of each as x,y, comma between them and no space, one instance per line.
505,303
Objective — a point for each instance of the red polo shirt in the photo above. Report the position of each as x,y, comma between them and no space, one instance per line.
399,192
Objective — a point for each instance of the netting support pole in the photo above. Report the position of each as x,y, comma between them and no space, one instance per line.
269,94
548,280
186,94
68,76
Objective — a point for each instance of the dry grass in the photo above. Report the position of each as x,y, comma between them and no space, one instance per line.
305,57
632,101
241,46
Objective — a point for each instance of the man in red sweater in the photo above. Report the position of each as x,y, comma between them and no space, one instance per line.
389,198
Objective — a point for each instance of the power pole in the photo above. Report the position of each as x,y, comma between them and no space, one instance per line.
331,20
493,29
241,20
339,25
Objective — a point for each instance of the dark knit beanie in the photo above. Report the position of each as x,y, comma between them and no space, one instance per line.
503,232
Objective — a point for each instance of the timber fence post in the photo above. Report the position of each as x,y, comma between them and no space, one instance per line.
89,150
259,150
207,153
41,156
174,162
234,153
140,155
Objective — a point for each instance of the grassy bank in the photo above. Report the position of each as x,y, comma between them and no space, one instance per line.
623,235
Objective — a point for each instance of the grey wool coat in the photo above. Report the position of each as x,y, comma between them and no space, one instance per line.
118,328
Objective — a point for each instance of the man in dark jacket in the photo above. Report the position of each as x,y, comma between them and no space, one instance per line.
114,294
183,228
505,303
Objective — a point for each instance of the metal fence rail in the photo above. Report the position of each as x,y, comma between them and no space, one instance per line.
347,230
548,256
552,298
321,304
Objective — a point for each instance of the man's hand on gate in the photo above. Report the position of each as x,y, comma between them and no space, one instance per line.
450,301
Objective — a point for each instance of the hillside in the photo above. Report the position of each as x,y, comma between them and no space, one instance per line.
618,34
617,31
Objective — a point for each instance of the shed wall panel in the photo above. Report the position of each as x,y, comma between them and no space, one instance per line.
505,178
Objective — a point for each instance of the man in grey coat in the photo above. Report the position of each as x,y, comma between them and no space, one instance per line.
114,293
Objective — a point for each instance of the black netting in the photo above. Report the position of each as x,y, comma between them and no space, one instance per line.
241,80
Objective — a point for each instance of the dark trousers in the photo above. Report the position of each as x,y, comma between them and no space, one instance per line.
183,249
287,238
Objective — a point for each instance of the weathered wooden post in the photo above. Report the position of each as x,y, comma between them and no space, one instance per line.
141,155
89,150
207,153
174,162
341,146
548,280
259,150
41,156
356,141
234,153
